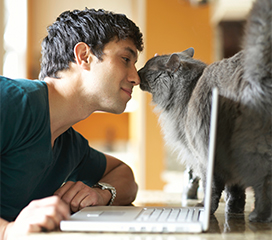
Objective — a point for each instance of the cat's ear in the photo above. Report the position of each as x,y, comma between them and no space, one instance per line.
190,52
173,63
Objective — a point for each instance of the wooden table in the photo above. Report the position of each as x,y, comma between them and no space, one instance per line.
222,226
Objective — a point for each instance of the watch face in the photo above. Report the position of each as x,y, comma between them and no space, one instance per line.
105,185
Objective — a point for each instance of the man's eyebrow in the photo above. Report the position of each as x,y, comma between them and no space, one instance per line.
131,51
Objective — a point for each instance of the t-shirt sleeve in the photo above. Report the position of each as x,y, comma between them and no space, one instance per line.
91,166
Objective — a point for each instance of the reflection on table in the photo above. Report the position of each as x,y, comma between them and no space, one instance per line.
222,226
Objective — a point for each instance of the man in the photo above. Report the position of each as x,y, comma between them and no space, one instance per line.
88,65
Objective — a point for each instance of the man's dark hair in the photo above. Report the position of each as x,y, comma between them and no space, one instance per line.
93,27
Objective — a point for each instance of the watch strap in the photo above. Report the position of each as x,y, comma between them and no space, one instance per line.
107,186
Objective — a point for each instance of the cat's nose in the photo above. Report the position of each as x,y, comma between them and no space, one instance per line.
143,83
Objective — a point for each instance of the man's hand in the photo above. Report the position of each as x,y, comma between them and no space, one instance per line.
78,195
40,215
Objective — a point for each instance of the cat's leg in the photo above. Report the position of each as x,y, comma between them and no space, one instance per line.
263,201
217,188
192,186
235,199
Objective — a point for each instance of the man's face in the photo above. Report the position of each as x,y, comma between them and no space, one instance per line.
115,76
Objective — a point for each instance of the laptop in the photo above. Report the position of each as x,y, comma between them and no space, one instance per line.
151,219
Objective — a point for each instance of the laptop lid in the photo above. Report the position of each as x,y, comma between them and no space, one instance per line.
135,219
211,157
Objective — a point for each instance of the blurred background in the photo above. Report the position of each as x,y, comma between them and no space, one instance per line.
213,28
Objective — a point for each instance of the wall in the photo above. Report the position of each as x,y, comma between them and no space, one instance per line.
99,125
171,26
168,26
175,25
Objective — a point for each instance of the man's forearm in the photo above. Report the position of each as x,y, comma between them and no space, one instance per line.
121,177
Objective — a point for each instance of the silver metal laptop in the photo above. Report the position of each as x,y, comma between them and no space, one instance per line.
151,219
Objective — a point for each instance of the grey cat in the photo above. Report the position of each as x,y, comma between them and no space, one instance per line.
181,90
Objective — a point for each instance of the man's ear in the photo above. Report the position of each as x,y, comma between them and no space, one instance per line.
83,55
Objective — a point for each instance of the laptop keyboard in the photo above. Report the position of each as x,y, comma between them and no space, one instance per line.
169,215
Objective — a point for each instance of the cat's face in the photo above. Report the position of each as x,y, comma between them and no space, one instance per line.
162,74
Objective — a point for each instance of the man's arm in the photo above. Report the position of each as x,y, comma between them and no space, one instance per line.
78,195
120,176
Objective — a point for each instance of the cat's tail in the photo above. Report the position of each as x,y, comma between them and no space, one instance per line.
257,62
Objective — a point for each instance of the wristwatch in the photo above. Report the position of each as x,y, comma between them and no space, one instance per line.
106,186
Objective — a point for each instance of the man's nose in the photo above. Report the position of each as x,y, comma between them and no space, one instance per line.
134,77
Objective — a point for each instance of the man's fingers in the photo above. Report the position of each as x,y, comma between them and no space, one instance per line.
76,203
78,195
89,200
73,193
40,215
69,190
53,205
47,223
64,188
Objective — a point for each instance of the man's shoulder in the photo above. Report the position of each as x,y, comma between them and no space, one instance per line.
21,91
24,110
21,86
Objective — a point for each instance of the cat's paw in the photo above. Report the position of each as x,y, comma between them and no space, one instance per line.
235,199
259,217
192,187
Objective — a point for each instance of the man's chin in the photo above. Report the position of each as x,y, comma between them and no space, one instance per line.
118,110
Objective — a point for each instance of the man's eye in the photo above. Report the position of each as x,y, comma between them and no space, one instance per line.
126,59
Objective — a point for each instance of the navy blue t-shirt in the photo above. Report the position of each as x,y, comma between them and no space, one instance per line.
30,169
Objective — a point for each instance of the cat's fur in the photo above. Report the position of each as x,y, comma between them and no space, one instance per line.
181,89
